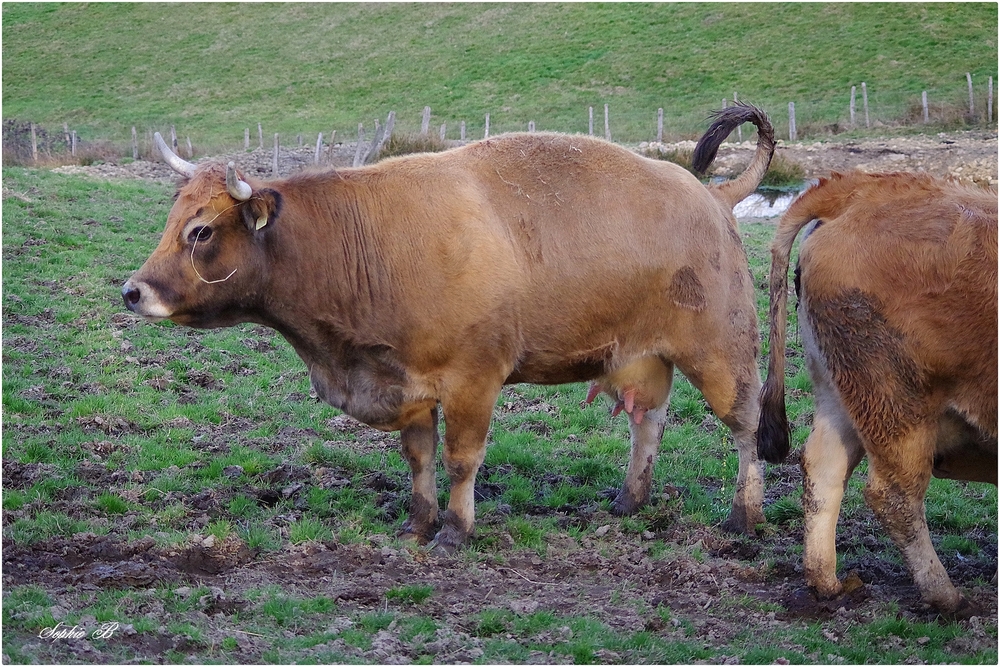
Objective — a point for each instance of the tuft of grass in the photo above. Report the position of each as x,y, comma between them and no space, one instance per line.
111,503
413,593
308,529
784,510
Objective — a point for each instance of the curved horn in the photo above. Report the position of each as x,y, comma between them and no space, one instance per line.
182,167
239,189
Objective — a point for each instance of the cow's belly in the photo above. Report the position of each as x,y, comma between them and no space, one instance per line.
541,373
964,451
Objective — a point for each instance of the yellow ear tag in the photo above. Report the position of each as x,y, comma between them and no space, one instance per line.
261,221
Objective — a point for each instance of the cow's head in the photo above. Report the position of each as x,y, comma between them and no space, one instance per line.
211,260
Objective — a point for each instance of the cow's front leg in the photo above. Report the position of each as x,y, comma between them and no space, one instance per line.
419,444
467,414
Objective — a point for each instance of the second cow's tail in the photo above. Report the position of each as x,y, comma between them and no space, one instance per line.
724,122
819,202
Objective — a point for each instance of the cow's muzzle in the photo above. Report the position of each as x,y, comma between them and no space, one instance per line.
131,295
142,300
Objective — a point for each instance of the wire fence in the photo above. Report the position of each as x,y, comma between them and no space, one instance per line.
817,116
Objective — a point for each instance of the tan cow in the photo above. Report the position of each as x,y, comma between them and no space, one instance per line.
438,278
898,314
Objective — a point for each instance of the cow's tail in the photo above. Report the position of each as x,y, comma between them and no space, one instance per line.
772,430
724,122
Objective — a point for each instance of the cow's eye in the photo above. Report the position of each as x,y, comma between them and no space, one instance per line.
199,234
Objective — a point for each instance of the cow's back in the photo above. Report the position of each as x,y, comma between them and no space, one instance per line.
573,242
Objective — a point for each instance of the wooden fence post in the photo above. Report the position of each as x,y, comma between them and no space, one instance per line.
590,124
274,162
66,132
531,126
135,144
461,130
246,138
864,100
34,144
923,101
190,148
989,103
361,140
319,148
173,138
659,125
972,106
792,134
739,129
72,136
299,138
444,130
607,124
330,147
425,123
260,134
854,90
382,136
486,133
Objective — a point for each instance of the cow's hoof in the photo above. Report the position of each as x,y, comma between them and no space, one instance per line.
625,505
741,524
412,534
448,539
412,539
964,611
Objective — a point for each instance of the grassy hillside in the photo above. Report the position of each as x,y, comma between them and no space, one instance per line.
214,69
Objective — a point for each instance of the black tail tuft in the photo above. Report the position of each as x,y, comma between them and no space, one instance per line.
772,430
724,122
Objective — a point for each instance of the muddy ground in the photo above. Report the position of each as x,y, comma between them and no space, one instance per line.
705,578
716,585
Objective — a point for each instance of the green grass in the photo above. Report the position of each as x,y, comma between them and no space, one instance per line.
126,457
214,69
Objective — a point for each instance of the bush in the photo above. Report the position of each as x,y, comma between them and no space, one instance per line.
678,156
783,172
404,144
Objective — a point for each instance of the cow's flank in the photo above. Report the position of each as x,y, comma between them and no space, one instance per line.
898,312
432,280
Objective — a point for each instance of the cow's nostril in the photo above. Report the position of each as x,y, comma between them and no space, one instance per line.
131,296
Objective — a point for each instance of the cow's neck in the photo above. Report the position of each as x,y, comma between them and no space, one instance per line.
332,298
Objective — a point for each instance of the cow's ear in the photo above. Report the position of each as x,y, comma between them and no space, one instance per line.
261,210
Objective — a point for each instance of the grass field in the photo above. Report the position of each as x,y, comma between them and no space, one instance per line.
129,449
214,69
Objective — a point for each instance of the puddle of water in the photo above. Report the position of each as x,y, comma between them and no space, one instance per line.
764,205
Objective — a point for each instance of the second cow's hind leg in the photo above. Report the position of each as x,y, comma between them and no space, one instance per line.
829,457
897,482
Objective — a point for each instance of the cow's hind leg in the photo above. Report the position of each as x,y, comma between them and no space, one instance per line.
899,474
419,444
829,457
732,390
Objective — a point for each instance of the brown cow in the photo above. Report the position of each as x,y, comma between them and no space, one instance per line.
438,278
898,313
